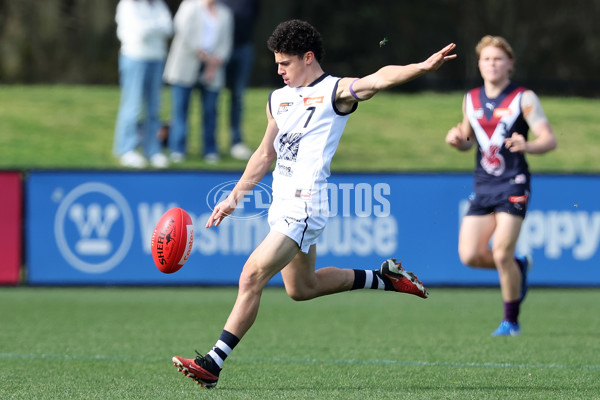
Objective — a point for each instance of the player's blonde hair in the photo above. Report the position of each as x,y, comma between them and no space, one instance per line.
496,41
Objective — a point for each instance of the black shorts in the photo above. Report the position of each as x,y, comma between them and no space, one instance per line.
514,203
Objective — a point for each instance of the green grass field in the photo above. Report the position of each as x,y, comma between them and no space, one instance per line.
116,343
72,127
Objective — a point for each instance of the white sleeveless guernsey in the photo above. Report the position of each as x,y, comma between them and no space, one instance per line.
310,128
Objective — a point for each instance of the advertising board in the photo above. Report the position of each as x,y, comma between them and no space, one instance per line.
95,227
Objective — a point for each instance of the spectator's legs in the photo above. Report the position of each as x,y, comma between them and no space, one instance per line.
152,96
180,101
131,79
209,120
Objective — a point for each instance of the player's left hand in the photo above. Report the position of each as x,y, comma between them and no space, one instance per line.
516,143
436,60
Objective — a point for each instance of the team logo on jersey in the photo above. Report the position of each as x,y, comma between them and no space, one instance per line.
288,146
502,112
309,101
492,161
478,113
284,107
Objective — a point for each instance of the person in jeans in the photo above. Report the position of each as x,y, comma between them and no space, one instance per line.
201,47
144,28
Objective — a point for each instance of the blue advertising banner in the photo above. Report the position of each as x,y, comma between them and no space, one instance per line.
95,227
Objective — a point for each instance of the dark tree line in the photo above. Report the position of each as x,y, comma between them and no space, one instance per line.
557,43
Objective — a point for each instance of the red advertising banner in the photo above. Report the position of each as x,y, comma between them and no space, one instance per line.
11,234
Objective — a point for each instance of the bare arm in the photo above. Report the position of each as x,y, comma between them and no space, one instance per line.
258,165
545,140
387,77
462,135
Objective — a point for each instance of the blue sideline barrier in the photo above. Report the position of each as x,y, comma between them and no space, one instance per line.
94,228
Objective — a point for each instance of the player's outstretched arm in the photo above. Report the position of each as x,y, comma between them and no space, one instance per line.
258,165
351,90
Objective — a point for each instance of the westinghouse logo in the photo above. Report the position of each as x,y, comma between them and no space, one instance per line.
93,227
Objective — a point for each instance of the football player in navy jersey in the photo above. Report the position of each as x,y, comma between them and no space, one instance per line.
305,121
497,117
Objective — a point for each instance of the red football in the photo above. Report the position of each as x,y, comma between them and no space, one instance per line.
172,240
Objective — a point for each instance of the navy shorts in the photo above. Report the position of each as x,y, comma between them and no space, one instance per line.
514,203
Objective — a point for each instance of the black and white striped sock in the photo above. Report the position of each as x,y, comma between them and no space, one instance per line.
225,345
368,279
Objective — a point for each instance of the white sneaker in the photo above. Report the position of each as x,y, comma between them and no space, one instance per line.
240,151
212,158
177,157
133,159
159,160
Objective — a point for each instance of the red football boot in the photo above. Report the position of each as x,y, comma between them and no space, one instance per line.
199,369
403,281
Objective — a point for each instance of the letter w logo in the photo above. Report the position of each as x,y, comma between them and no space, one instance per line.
92,220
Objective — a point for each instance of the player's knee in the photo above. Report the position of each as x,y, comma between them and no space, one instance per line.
251,280
299,293
474,259
469,259
502,257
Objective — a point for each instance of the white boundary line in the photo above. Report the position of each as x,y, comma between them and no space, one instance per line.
305,361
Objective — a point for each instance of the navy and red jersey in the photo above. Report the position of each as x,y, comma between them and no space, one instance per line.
497,169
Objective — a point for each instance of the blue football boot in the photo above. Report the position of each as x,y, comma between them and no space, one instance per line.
507,328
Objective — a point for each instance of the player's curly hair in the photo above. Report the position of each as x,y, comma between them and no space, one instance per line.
296,37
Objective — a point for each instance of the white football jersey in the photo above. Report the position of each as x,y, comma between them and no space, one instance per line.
310,128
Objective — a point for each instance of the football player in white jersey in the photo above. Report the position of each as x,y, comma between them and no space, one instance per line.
497,117
305,120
